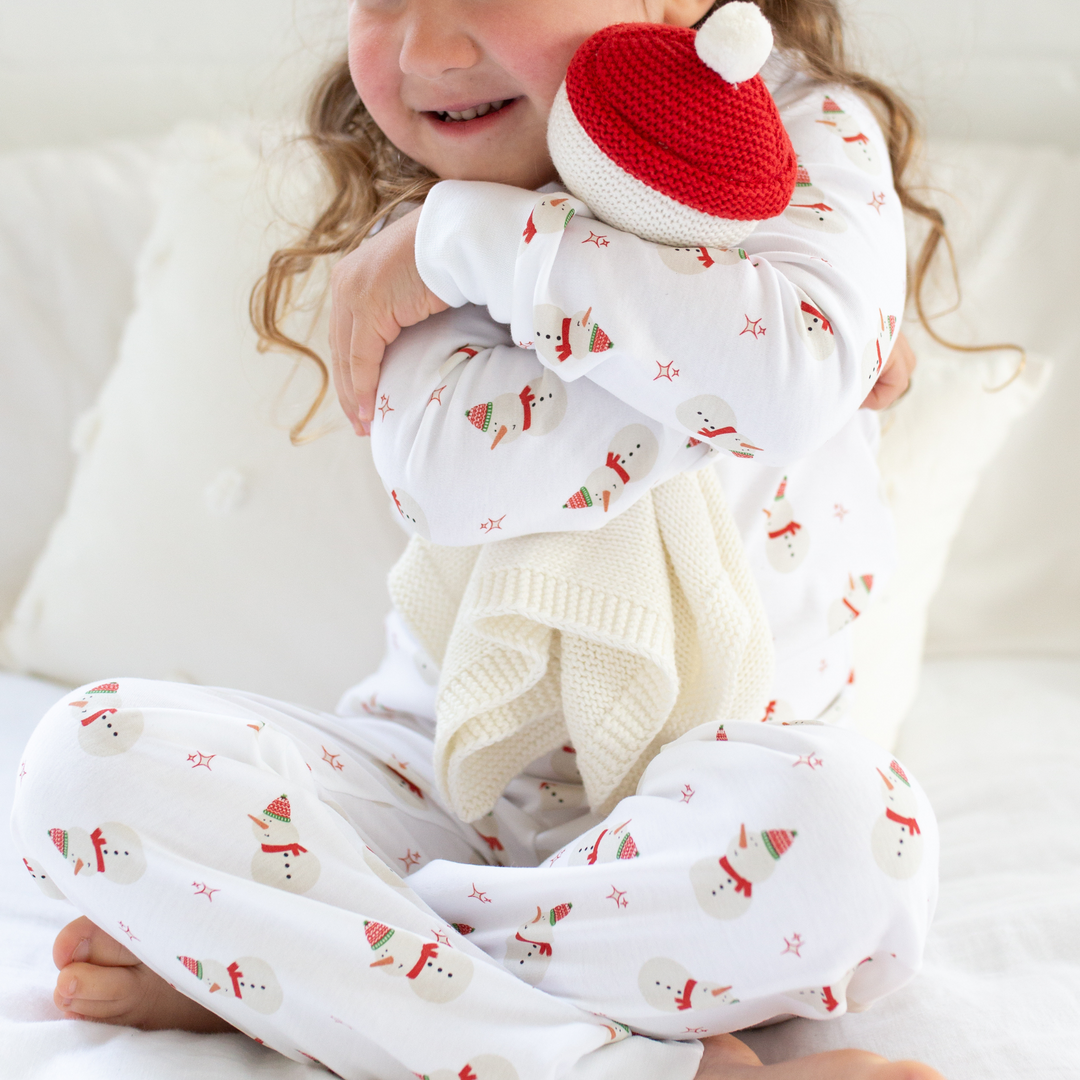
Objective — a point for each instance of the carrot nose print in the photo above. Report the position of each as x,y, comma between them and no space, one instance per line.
607,499
720,990
79,864
888,782
557,202
261,824
77,704
742,836
382,963
585,317
498,437
215,987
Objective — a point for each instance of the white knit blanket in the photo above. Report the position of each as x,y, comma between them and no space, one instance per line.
620,639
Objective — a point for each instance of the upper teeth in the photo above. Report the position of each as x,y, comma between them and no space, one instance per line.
472,114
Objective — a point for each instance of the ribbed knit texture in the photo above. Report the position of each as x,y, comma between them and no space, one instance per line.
650,104
620,639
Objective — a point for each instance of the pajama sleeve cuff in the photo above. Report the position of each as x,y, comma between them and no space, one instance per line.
467,242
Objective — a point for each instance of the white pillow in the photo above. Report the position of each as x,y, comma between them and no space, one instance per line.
1012,584
71,224
197,543
936,442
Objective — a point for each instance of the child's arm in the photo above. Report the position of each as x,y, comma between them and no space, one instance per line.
768,354
475,440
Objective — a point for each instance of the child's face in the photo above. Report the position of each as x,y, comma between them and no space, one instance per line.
413,61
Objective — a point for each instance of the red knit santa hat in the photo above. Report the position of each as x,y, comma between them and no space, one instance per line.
279,808
559,912
673,135
777,841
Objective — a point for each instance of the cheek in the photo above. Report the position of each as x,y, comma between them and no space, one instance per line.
373,64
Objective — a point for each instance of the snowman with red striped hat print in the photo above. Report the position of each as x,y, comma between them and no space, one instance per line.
896,839
809,206
536,409
631,454
530,948
876,353
712,420
847,608
558,337
605,845
247,979
814,327
105,726
112,850
788,541
281,860
857,144
433,971
666,985
724,887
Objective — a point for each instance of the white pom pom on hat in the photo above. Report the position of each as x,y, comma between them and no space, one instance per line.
735,41
672,135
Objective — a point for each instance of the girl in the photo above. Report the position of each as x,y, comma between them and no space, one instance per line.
245,846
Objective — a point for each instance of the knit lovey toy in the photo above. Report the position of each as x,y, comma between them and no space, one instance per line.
672,135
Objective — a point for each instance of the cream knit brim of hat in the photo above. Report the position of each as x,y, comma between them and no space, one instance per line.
623,201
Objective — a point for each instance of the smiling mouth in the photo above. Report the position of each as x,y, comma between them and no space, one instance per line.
452,117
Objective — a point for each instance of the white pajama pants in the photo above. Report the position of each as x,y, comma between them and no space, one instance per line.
296,873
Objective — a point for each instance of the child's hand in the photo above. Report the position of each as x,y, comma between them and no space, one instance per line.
375,291
895,378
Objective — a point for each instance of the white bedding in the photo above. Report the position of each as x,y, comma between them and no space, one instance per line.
996,744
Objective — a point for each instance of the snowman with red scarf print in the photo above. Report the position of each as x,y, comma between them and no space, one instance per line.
281,860
433,971
788,541
712,420
857,144
529,949
535,410
608,845
814,327
631,455
850,606
896,839
481,1067
725,887
105,726
825,1000
558,337
551,214
247,979
112,850
668,986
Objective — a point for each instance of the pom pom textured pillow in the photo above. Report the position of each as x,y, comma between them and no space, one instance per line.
197,543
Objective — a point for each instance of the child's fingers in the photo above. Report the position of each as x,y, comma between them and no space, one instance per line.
340,333
366,350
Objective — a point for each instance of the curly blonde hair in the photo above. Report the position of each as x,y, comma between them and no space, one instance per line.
370,177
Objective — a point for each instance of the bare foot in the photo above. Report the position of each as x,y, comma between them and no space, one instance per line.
101,980
727,1058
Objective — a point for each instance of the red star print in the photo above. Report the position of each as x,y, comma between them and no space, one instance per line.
667,371
525,344
793,945
822,666
840,512
436,396
753,326
22,769
687,793
877,200
385,405
697,1031
201,759
410,859
809,759
338,1021
441,938
476,894
492,523
599,239
127,930
619,896
332,759
202,889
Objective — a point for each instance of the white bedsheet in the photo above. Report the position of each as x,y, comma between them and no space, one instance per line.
996,744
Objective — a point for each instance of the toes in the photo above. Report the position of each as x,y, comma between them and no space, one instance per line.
100,993
82,941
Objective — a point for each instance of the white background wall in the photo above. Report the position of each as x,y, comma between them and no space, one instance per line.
80,70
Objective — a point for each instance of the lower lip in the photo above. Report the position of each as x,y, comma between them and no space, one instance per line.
462,128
